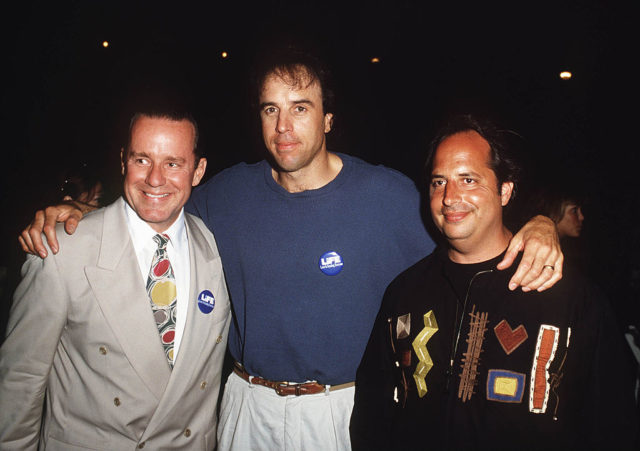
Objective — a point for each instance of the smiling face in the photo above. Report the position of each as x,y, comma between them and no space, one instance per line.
160,169
465,202
293,122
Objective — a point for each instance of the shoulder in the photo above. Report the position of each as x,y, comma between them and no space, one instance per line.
407,289
234,176
574,296
226,189
89,228
393,192
571,286
417,274
376,174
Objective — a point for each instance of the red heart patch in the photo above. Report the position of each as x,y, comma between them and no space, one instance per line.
509,338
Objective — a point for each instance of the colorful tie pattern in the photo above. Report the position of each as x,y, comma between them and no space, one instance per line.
161,288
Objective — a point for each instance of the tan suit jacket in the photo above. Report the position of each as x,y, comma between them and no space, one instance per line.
82,341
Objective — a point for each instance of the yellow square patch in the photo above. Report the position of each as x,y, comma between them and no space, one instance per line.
506,386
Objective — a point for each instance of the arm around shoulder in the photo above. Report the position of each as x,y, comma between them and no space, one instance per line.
45,221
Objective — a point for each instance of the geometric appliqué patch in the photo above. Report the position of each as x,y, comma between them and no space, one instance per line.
540,385
509,338
471,359
505,386
403,326
425,363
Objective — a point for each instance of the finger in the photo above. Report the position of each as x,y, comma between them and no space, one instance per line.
521,271
49,228
509,257
25,242
34,231
557,274
546,275
531,265
71,222
537,270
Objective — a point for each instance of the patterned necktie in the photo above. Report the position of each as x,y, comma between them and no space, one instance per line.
161,288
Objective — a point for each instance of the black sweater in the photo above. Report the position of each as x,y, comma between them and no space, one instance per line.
563,341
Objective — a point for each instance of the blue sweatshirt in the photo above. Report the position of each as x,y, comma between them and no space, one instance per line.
307,271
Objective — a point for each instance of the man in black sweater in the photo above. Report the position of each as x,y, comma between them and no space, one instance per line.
456,360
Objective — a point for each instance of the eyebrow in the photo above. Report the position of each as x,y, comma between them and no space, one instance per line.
295,102
469,173
134,154
460,174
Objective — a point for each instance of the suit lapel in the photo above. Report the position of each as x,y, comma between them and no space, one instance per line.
202,276
199,335
119,289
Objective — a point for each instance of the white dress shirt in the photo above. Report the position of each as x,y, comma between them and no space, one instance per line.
178,250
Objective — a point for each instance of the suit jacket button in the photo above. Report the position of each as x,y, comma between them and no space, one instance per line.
203,385
219,339
187,432
103,350
116,401
141,445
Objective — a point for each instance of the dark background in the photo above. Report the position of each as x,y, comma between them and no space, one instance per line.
66,99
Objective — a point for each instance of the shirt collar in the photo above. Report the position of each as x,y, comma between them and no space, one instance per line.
141,232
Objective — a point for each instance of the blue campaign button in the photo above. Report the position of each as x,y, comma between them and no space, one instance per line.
206,301
330,263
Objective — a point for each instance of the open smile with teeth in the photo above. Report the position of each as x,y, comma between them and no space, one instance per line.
155,196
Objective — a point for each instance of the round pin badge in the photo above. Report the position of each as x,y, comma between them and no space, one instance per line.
206,301
330,263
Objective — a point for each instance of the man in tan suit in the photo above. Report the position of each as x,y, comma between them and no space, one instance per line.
86,363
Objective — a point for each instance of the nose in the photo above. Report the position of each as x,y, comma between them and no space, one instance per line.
155,176
580,215
284,124
451,194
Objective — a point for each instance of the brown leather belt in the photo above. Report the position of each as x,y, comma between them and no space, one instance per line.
288,388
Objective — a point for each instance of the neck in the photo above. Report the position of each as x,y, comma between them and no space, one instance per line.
466,253
313,176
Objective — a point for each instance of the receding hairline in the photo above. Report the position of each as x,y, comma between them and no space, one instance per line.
469,131
168,117
298,76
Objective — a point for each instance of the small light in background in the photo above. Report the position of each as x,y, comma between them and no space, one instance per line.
566,75
375,60
105,44
224,55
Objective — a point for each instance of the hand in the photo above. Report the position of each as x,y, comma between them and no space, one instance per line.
541,264
45,221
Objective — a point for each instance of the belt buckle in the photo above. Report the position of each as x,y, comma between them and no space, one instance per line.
283,385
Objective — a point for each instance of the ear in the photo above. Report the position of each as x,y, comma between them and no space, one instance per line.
199,172
122,160
505,193
328,122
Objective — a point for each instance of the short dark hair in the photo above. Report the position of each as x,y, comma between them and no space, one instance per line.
172,115
502,156
301,66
